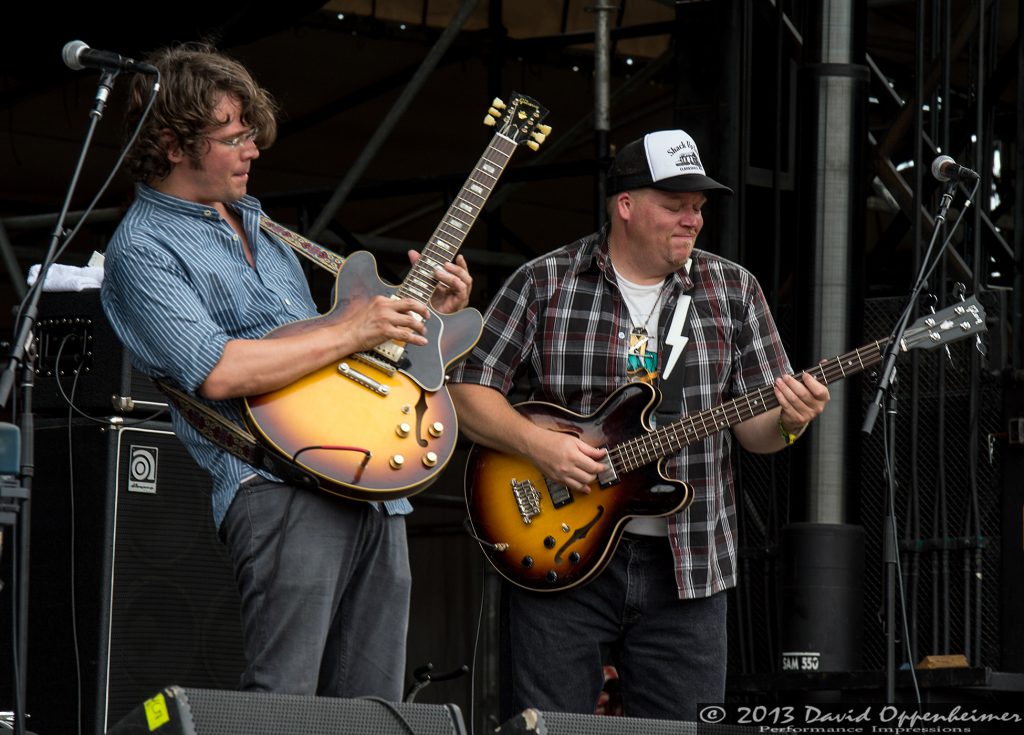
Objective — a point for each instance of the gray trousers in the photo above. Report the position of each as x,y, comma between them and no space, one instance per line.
325,587
670,653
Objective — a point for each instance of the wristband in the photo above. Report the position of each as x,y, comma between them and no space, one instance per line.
788,437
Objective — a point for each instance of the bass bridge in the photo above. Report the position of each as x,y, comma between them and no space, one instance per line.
527,499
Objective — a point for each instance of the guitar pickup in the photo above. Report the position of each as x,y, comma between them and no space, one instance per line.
559,493
363,379
384,366
609,477
391,351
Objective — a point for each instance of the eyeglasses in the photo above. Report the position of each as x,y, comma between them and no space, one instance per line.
239,140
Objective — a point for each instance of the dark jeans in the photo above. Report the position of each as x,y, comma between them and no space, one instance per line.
324,586
670,653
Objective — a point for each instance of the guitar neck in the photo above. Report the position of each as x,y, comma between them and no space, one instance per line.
668,440
444,244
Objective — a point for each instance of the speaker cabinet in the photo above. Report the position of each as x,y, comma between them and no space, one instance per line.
130,590
561,723
183,711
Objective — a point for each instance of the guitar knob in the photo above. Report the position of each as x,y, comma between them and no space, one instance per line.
574,557
527,562
429,459
396,461
436,429
403,430
549,542
552,576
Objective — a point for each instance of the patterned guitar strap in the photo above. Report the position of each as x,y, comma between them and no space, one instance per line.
230,437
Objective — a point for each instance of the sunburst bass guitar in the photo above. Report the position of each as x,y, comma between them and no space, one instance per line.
380,425
543,537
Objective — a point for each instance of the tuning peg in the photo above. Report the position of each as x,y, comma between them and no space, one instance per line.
533,146
539,137
494,113
544,129
498,103
488,120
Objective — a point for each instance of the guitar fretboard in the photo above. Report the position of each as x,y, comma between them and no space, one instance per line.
640,451
949,325
444,244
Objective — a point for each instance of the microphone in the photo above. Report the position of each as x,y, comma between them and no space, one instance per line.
77,55
945,168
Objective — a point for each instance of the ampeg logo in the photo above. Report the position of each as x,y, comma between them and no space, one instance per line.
142,470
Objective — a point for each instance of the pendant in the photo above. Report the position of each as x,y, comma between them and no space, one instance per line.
638,341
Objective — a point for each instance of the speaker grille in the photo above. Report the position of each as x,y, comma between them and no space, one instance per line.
948,513
559,723
947,504
174,605
216,712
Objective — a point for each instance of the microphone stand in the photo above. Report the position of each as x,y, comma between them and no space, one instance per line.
23,355
885,397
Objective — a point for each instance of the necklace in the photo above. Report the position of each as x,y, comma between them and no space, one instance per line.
642,329
636,298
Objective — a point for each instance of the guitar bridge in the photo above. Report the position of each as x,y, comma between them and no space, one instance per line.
362,379
527,499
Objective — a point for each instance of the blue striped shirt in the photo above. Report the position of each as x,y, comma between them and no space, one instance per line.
177,288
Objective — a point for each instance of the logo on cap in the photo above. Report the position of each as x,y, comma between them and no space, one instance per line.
687,158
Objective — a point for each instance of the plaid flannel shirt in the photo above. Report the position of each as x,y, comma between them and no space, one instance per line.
561,323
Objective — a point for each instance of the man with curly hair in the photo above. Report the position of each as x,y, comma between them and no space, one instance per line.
192,284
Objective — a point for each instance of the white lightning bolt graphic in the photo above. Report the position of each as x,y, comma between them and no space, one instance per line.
674,335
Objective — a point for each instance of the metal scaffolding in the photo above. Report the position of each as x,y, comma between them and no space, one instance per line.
827,134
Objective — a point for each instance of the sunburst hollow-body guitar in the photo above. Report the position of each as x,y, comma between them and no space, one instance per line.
380,425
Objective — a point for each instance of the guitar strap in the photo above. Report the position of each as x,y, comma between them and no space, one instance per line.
670,381
223,433
233,439
303,246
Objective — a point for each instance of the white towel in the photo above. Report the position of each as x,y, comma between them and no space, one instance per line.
67,277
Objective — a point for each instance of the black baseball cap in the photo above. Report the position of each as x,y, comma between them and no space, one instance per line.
665,160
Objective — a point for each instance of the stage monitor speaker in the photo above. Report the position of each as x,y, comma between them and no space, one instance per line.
560,723
183,711
78,351
130,590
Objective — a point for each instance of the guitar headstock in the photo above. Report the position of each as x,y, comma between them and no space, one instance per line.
948,325
520,120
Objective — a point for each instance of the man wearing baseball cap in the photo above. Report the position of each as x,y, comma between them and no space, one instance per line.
636,301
